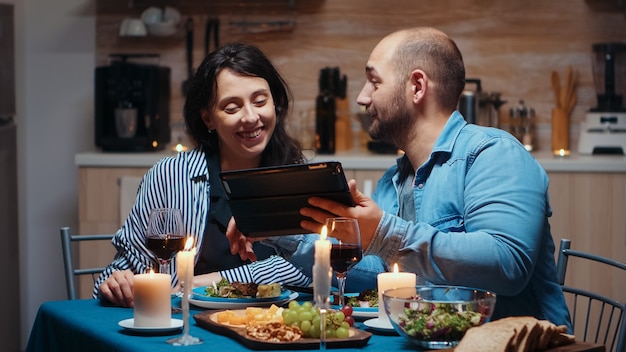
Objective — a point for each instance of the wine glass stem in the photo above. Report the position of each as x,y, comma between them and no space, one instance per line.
164,267
341,282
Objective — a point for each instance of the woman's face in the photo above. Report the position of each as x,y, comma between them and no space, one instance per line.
244,119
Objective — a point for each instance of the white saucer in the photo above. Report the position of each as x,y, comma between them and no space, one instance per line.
129,324
379,326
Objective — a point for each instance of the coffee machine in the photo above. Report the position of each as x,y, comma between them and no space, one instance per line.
603,130
132,104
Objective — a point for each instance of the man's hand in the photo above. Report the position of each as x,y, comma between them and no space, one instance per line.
239,244
118,288
366,211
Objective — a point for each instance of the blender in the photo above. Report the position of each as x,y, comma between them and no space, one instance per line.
603,130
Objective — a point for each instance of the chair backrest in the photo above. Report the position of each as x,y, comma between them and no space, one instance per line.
71,272
603,317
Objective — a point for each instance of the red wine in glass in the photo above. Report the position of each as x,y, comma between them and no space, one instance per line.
344,256
165,247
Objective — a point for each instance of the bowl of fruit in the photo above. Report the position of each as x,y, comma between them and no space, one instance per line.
437,317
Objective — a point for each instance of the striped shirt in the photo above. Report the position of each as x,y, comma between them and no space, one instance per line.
182,182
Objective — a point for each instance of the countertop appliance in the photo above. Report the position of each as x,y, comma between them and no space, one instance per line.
603,130
132,104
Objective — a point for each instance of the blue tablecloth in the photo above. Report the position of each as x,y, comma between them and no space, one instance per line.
86,325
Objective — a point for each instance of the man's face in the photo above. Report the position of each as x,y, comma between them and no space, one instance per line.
384,96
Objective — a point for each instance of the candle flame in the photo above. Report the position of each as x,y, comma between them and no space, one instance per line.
151,272
395,268
188,243
323,235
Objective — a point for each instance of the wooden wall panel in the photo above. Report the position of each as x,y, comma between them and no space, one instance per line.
511,45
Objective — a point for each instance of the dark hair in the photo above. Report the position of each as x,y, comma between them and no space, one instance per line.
247,60
438,55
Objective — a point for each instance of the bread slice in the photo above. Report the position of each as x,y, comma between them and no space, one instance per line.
487,337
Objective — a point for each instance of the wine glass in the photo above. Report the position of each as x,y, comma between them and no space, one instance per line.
345,253
165,235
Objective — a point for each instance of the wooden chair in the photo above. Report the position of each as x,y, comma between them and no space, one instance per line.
603,317
71,272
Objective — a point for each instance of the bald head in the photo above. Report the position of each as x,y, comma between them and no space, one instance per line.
431,51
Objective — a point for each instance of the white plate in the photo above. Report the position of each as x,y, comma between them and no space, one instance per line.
379,326
130,325
238,304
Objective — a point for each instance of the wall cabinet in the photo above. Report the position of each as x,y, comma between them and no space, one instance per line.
588,208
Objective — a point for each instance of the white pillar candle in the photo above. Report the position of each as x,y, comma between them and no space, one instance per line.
152,300
185,262
387,281
322,272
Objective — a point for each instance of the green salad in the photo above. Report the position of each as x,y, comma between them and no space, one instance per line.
365,299
439,321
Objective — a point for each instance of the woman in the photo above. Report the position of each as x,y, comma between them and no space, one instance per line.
235,114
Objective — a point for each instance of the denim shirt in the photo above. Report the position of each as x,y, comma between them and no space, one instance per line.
481,210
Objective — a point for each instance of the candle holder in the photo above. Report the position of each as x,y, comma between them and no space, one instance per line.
322,277
322,302
186,339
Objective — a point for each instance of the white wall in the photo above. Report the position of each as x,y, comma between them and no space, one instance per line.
55,58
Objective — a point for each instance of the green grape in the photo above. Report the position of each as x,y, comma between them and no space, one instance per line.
314,331
316,320
307,305
343,332
293,304
345,325
305,315
305,326
290,317
338,317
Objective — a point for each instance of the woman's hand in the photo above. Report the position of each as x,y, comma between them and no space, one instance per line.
366,211
239,244
118,288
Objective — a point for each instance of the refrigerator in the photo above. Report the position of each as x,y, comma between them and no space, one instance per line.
9,253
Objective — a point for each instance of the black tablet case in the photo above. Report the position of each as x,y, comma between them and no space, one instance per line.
267,201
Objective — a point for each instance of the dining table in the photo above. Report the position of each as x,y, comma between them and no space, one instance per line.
89,325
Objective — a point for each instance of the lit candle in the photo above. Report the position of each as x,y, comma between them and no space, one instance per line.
322,272
152,300
561,153
185,262
387,281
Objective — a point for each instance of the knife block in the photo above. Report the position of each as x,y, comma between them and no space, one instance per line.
343,126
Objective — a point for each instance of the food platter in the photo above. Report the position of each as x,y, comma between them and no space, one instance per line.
198,293
208,320
241,303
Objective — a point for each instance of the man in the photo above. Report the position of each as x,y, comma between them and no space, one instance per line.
466,205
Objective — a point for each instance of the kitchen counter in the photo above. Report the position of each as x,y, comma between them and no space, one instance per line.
363,160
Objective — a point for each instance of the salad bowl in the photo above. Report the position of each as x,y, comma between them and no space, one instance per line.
437,317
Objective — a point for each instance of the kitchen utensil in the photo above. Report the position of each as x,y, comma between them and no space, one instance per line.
189,54
132,27
212,29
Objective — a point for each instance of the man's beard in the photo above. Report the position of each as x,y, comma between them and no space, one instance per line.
392,121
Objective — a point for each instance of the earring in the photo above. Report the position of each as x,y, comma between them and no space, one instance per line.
211,131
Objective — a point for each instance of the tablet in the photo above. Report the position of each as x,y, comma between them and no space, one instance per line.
266,201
